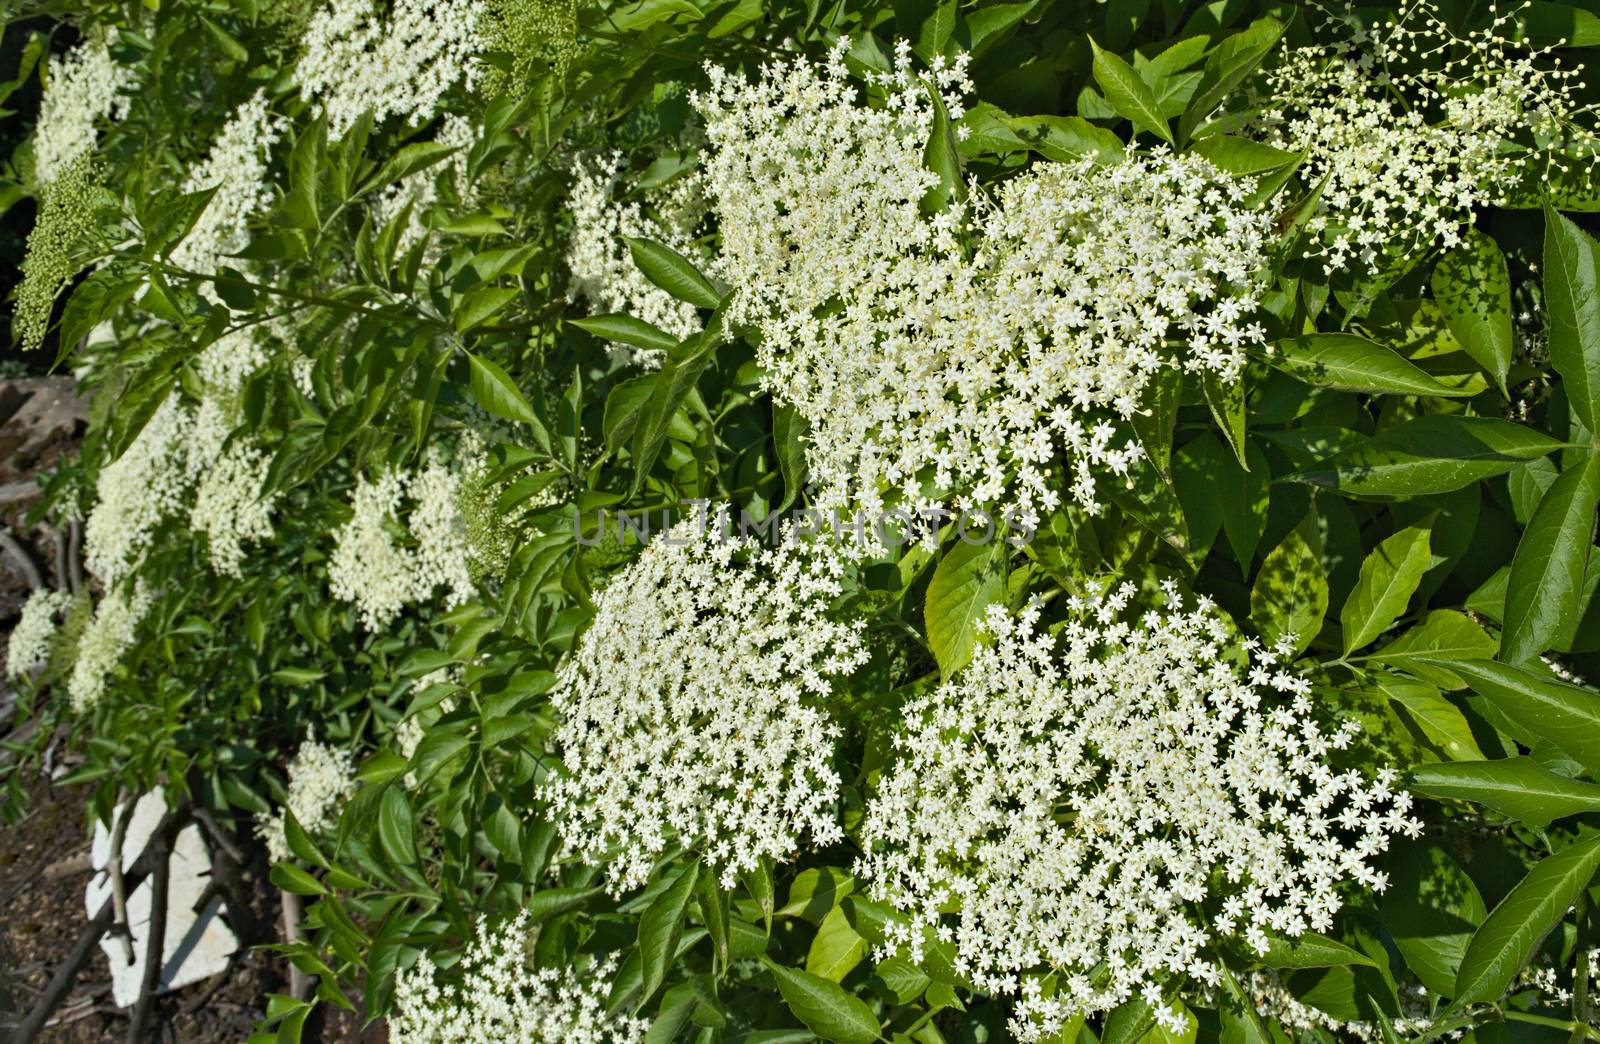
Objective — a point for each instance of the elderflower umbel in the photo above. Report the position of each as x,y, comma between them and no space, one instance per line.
82,88
321,778
138,491
602,267
29,647
1408,127
495,994
355,59
107,636
1081,803
967,350
372,569
236,167
690,706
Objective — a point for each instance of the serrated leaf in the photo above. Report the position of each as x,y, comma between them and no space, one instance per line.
1226,401
942,156
1440,721
673,272
1517,787
1241,156
625,329
1565,715
660,927
1388,578
495,391
479,306
395,827
968,579
836,948
1350,363
1310,950
1128,94
1473,290
1226,67
1544,591
1508,937
1435,453
1290,595
789,432
1572,301
824,1006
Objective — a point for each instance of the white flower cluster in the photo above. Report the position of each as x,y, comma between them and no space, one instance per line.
690,706
420,191
962,352
82,88
138,491
321,778
184,449
1078,802
356,59
29,646
372,569
236,167
109,634
499,997
602,267
1408,127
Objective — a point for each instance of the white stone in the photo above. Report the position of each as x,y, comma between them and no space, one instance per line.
197,946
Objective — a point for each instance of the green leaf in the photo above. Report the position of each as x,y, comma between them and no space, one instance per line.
1226,67
1559,24
942,156
1349,363
789,430
1435,648
1503,944
1241,156
625,329
1389,577
1517,787
815,891
410,159
1153,423
1545,589
659,929
968,579
836,948
395,830
1565,715
1129,95
679,373
714,915
1290,596
1434,453
1473,290
479,306
1226,401
824,1006
1440,721
672,272
495,391
553,902
292,879
1430,910
623,406
1572,300
301,205
904,980
1310,950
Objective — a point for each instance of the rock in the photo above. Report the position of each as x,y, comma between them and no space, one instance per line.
197,946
